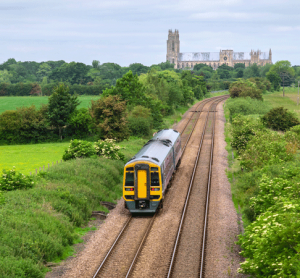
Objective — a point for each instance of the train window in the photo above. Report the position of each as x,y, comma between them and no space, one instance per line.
154,179
154,168
129,181
129,169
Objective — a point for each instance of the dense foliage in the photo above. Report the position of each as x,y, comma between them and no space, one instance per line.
60,108
267,189
280,118
102,148
246,106
13,180
245,88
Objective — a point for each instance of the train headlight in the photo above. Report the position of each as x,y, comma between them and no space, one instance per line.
155,189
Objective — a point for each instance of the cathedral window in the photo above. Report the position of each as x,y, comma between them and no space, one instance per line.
173,62
173,47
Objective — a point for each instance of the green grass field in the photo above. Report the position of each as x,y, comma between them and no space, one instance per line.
27,158
289,101
11,103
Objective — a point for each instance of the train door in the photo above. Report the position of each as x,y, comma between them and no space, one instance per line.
142,184
142,192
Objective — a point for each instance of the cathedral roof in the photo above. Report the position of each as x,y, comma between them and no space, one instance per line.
215,56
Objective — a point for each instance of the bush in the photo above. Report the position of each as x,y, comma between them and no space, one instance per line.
246,106
12,180
243,129
24,125
79,149
80,123
140,127
271,243
265,148
280,118
245,88
108,149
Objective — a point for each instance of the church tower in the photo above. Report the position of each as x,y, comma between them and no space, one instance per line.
173,47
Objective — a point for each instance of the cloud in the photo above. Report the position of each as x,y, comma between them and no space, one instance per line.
284,28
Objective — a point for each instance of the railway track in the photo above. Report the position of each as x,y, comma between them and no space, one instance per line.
123,255
190,262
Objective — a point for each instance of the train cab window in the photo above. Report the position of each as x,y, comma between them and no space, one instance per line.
154,179
129,180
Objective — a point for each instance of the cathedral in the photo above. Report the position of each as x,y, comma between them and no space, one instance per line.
213,59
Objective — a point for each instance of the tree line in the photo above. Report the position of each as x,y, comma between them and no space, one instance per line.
135,106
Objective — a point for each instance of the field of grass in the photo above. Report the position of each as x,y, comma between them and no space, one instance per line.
27,158
11,103
289,101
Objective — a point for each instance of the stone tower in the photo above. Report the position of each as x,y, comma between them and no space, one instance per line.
173,46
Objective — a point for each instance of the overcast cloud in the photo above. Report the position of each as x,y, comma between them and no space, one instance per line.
126,32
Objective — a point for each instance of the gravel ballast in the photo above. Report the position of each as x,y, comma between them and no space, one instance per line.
222,258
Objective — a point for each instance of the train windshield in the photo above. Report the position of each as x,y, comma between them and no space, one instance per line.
129,181
154,179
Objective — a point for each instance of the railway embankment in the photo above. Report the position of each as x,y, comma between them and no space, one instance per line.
265,181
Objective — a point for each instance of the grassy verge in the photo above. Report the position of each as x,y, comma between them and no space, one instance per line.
11,103
39,225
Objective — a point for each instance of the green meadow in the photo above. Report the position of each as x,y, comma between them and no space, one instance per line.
289,100
27,158
11,103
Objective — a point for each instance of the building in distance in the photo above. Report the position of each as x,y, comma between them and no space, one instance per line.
213,59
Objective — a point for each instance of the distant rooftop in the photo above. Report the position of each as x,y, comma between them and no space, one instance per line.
215,56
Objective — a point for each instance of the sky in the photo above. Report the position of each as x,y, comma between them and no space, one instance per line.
127,31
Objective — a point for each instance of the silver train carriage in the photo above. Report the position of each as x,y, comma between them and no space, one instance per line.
148,173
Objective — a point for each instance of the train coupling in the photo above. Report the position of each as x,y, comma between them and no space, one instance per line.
142,204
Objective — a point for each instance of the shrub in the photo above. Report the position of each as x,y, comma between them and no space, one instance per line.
108,149
79,149
24,125
271,191
271,243
243,129
280,118
140,127
12,180
245,88
265,148
246,106
80,123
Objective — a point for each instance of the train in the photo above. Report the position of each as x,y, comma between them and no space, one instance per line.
148,174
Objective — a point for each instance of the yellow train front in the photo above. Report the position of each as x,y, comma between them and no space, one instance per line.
148,173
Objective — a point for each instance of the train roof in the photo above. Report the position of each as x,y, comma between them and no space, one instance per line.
156,149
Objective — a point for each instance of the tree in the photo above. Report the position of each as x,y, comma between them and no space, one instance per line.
284,70
43,71
109,114
95,64
128,88
5,76
60,107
